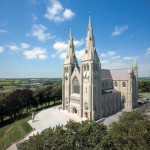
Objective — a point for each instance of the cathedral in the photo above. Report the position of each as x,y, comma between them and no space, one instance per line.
92,92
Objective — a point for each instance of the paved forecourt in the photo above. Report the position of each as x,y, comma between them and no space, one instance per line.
52,117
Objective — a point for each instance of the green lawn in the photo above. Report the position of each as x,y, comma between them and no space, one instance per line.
14,132
145,94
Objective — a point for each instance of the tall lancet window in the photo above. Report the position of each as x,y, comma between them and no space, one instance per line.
75,85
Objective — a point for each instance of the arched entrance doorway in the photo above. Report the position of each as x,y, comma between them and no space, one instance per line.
74,110
86,115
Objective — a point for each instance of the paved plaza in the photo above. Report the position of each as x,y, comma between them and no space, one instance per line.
52,117
55,116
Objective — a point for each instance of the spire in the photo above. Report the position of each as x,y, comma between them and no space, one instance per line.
90,51
70,33
135,62
70,57
90,22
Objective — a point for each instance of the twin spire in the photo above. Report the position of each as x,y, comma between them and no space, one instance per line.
71,57
90,50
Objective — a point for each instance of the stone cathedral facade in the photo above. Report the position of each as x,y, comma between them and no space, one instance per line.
92,92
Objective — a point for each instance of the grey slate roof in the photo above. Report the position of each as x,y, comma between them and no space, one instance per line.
115,74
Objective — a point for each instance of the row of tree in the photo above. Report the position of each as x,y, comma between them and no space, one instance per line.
144,85
132,131
20,101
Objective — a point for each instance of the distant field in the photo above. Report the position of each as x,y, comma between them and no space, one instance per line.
9,87
14,132
6,82
147,78
16,81
145,95
9,82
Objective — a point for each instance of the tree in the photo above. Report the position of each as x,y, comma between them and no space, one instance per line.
86,135
131,132
2,107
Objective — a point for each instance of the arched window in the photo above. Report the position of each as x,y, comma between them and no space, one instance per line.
123,99
87,67
123,84
115,84
85,106
84,67
75,85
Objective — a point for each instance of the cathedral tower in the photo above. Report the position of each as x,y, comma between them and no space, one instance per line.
135,83
69,64
91,78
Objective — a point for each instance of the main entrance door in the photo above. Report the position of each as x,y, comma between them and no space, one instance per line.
74,110
86,115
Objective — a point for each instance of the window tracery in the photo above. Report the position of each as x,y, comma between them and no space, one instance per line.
75,85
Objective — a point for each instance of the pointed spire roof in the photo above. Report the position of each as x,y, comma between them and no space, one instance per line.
90,50
135,62
70,57
90,22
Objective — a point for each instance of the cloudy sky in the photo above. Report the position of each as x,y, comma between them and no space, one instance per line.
34,34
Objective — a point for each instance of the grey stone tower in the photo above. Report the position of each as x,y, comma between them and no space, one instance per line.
68,67
135,83
91,81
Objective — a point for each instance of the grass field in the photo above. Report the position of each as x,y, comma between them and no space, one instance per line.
14,132
145,95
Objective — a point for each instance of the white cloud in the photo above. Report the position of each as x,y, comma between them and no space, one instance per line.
144,70
128,58
79,54
68,14
108,54
34,17
13,47
57,13
78,43
3,31
62,55
116,57
119,29
24,45
104,61
148,51
1,49
39,31
53,55
60,46
36,53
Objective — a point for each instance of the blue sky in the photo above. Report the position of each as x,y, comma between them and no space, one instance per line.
34,34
